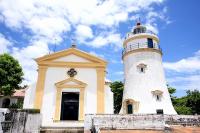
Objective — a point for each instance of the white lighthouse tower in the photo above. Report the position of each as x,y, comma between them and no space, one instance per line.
145,89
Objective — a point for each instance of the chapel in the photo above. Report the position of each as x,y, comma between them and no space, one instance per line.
70,84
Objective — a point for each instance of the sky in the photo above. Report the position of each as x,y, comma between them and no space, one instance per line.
33,28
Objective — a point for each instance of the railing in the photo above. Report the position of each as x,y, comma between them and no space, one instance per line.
132,34
151,32
7,123
138,46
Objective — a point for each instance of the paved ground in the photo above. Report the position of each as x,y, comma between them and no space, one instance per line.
181,129
175,129
131,131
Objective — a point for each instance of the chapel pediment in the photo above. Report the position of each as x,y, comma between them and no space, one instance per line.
70,82
70,55
72,58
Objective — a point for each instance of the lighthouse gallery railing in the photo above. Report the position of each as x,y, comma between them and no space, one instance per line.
140,45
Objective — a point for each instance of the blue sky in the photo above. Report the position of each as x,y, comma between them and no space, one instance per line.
32,28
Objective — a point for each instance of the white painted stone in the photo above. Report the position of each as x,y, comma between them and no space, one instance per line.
139,86
109,105
72,58
29,96
57,74
33,123
124,122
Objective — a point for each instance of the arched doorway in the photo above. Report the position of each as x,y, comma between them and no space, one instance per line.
130,106
6,103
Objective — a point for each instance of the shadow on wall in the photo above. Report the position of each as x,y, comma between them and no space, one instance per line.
11,102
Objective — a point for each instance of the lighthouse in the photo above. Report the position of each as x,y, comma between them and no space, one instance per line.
145,89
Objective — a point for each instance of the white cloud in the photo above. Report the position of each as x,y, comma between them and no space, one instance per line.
153,16
105,39
26,56
40,17
152,27
50,18
4,44
185,73
187,65
83,32
186,82
47,20
90,12
49,27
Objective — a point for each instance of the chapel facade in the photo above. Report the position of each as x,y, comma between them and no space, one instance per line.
70,84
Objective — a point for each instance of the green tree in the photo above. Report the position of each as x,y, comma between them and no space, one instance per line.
179,103
193,101
117,88
18,105
172,91
183,110
10,74
181,107
187,105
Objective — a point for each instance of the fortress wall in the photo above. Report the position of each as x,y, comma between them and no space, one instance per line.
137,121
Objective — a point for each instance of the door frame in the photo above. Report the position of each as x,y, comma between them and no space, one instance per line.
62,86
135,105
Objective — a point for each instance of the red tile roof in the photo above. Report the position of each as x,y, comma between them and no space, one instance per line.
19,93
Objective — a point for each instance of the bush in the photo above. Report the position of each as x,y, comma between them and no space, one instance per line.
31,111
18,105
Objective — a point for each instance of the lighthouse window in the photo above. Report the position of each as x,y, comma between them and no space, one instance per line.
157,94
141,68
159,111
157,97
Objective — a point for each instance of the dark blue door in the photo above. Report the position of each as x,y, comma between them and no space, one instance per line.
130,108
150,42
70,106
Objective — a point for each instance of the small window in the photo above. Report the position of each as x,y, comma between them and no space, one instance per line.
157,97
157,94
141,68
159,111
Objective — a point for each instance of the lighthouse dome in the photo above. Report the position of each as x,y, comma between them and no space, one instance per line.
139,29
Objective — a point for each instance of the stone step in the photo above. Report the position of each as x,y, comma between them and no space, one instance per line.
62,130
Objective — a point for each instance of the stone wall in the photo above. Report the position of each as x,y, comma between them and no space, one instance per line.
30,122
2,118
144,121
185,120
96,122
18,121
